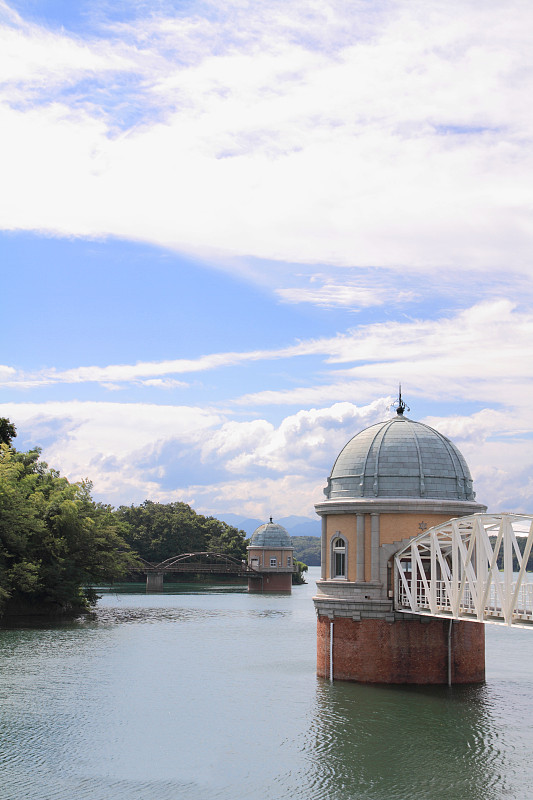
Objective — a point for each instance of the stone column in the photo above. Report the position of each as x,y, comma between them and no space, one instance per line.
323,548
374,547
360,563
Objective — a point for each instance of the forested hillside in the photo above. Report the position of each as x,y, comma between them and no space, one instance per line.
307,549
157,531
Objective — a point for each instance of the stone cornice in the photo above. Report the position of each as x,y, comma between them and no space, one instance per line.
400,505
269,547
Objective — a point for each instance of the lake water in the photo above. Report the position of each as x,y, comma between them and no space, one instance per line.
211,694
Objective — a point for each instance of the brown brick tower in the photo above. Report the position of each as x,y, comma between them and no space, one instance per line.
271,554
389,483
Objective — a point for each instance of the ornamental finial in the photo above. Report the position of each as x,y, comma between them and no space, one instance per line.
401,406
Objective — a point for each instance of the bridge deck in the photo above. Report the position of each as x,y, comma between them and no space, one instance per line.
212,569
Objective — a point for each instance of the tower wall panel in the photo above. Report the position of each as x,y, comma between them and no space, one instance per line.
271,582
405,651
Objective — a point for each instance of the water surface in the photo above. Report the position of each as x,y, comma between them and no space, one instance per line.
211,694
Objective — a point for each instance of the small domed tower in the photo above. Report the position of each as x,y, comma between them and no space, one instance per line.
389,483
270,553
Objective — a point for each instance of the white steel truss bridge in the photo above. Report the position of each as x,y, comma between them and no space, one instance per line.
468,568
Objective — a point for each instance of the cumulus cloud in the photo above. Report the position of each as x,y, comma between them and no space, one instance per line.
132,451
106,441
497,447
302,441
135,451
261,497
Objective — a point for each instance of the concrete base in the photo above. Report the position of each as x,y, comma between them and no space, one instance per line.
154,582
405,651
271,582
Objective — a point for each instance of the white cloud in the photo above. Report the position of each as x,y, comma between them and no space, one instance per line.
114,374
130,450
497,447
301,441
135,451
389,134
163,383
332,294
236,437
308,132
260,497
483,351
361,390
6,372
37,59
106,441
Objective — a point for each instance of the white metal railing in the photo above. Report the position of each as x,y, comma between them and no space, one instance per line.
524,603
452,570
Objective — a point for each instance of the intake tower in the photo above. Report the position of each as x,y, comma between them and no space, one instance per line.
389,483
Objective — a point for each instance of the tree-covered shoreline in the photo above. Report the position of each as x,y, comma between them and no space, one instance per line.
57,543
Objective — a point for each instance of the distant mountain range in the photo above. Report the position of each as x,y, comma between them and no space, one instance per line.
296,526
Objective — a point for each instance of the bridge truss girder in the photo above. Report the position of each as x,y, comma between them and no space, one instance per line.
451,571
205,561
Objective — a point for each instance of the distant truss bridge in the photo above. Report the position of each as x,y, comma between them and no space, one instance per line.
206,563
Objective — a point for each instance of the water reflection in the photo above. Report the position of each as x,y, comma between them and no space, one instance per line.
195,587
213,696
394,742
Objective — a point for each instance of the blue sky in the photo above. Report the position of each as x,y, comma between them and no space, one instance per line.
228,231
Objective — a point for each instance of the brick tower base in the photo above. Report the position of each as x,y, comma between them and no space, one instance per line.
271,582
412,650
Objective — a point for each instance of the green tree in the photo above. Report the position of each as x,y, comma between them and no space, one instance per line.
7,431
224,538
157,531
55,541
298,576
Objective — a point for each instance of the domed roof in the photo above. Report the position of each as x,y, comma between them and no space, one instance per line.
270,535
400,458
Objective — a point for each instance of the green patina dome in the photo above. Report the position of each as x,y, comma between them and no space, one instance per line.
270,535
400,458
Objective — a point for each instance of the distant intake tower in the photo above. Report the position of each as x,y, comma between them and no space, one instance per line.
271,554
390,482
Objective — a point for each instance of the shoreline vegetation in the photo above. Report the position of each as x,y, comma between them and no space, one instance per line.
57,543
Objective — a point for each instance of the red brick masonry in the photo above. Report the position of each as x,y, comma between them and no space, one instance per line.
406,651
272,582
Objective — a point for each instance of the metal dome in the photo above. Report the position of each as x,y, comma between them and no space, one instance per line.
400,458
270,535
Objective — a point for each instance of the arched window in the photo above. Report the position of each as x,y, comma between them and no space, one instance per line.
338,556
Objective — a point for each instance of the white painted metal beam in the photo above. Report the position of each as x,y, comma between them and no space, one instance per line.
451,571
